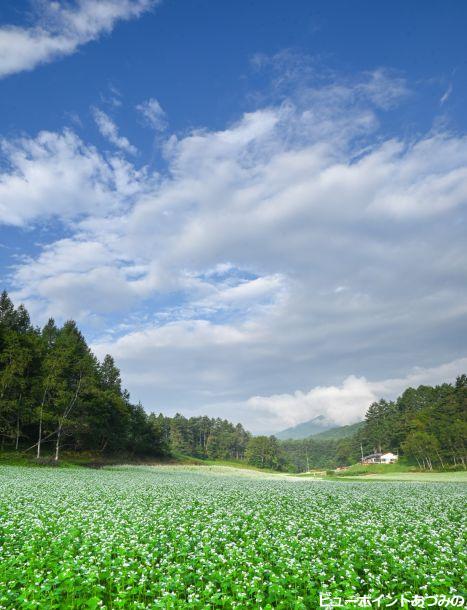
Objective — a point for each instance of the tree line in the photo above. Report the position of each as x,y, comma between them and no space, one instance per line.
55,395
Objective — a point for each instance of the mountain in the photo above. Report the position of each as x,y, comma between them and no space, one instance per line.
335,434
308,428
319,428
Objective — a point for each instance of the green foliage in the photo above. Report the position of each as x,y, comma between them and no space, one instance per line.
204,437
265,452
427,424
55,395
306,454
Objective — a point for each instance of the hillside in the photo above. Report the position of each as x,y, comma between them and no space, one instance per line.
335,434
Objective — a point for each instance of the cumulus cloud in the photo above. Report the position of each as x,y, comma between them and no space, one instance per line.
61,29
57,175
341,405
153,114
346,403
75,279
297,247
110,131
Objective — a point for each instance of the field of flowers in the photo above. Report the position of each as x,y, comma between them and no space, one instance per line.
194,537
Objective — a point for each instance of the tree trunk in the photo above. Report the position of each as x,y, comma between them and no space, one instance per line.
17,429
39,440
38,455
440,459
64,417
57,442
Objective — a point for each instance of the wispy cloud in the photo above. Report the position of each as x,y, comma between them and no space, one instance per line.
446,95
153,114
61,29
110,131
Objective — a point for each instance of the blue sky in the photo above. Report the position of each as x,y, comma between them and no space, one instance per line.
260,213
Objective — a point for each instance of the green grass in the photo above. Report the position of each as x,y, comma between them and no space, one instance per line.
236,464
395,472
15,458
313,474
70,459
446,477
360,469
94,460
198,537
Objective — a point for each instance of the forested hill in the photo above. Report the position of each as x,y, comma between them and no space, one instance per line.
335,434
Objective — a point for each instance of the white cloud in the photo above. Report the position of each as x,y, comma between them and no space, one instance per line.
153,113
110,131
347,403
443,373
341,405
446,95
57,175
297,244
206,350
246,295
62,28
74,279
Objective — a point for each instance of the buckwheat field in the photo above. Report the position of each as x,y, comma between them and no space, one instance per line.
188,537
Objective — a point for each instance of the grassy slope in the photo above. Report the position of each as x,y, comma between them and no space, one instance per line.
234,464
395,472
359,469
427,477
88,459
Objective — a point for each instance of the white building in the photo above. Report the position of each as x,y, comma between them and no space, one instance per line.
388,458
380,458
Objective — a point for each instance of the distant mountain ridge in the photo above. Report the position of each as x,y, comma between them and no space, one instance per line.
319,428
308,428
